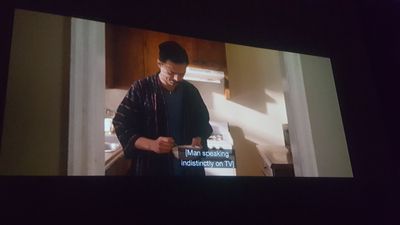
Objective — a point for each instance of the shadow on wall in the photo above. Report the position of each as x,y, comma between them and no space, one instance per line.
257,127
248,161
247,97
207,91
254,77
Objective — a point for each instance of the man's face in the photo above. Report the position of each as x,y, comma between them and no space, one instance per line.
171,73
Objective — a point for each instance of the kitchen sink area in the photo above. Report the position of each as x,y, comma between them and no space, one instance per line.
111,142
112,149
115,163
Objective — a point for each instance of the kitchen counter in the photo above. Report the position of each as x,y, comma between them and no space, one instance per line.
116,164
112,157
220,139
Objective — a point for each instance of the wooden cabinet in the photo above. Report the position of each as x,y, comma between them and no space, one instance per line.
209,54
124,56
132,54
151,42
282,170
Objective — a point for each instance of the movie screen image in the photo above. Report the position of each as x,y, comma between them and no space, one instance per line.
92,98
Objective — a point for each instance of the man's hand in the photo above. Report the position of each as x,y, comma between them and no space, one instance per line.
196,142
162,145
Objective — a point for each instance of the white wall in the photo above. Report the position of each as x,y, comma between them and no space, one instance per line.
256,109
35,132
114,98
326,122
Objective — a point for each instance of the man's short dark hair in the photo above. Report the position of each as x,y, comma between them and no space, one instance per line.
170,50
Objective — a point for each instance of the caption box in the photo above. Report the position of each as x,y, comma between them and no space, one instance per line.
221,158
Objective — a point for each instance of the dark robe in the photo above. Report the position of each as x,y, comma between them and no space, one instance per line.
142,113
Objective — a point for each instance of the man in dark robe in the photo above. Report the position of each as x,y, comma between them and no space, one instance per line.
159,112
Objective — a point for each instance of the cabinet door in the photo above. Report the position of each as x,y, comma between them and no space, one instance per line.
188,44
125,56
152,40
209,55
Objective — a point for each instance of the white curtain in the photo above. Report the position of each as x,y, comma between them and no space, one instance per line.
87,88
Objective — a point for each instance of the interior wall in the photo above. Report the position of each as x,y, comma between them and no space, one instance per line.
325,118
35,130
256,110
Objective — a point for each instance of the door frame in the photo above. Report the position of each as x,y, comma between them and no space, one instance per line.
301,138
86,98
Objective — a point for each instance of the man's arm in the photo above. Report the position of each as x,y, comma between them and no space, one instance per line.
202,119
128,124
128,120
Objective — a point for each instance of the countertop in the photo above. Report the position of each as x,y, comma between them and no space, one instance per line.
111,157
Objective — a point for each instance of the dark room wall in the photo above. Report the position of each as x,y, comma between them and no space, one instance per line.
362,41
